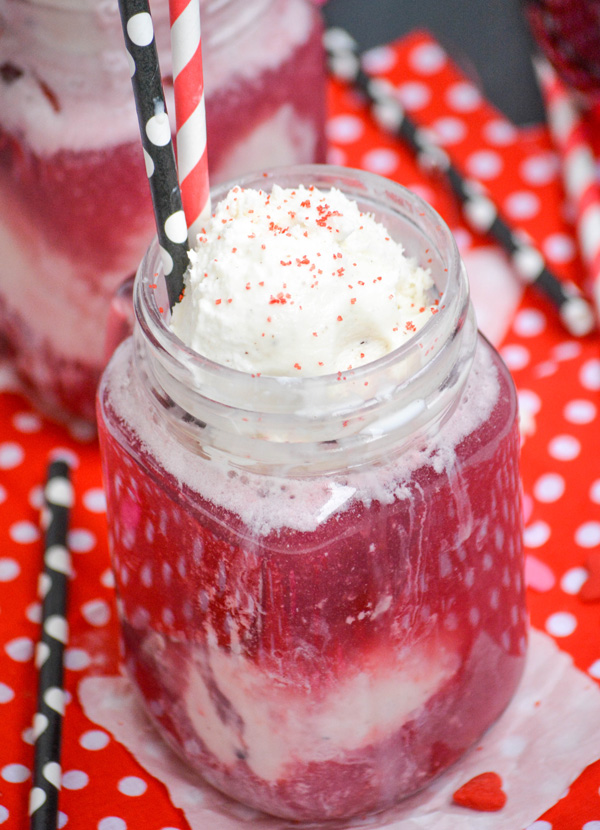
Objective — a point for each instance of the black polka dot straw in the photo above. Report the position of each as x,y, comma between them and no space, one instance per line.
479,211
47,723
157,143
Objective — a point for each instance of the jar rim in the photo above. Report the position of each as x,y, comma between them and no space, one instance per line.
153,317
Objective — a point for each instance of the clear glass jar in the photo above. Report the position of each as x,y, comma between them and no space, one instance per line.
320,579
75,210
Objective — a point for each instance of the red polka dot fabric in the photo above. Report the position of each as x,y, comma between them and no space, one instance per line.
558,379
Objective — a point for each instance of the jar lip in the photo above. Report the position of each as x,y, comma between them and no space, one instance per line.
155,325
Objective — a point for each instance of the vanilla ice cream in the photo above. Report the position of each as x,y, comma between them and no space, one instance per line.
299,282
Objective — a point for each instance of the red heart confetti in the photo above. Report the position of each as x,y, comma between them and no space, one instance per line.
483,792
590,590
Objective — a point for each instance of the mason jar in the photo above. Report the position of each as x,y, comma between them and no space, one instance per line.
75,209
320,579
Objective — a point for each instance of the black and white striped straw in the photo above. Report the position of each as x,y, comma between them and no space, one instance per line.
157,143
47,723
479,211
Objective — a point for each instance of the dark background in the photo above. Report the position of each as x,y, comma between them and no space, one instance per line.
489,39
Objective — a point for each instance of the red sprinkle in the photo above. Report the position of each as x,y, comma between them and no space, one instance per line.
340,318
297,366
483,792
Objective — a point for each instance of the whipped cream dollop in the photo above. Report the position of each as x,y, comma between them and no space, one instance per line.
298,282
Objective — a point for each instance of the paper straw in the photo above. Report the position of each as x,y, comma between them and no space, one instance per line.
157,143
190,113
478,209
47,723
570,135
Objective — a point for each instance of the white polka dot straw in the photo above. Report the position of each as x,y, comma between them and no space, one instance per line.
345,64
47,724
190,113
155,132
578,166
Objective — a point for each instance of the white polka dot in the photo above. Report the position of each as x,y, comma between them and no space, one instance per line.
381,160
549,487
3,494
166,259
449,130
132,785
77,659
6,693
539,825
20,649
107,578
572,580
140,29
96,612
546,369
28,736
379,60
591,825
33,612
27,422
529,322
561,624
484,164
158,129
112,823
15,773
568,350
594,669
536,535
523,204
463,238
580,412
75,779
427,58
595,491
11,455
530,402
81,540
149,163
515,356
463,97
414,95
499,132
426,193
63,818
587,535
4,814
95,500
344,129
175,227
24,532
559,247
564,447
540,169
9,570
589,375
94,739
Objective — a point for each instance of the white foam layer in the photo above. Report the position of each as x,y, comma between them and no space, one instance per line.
75,91
270,503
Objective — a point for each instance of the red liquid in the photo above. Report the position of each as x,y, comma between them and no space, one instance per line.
367,655
568,32
78,222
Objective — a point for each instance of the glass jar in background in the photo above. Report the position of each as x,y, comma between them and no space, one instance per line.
75,209
568,33
320,579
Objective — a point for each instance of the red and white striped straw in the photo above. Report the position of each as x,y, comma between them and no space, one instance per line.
190,113
569,134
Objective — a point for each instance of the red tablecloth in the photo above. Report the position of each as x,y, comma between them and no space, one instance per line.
558,380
